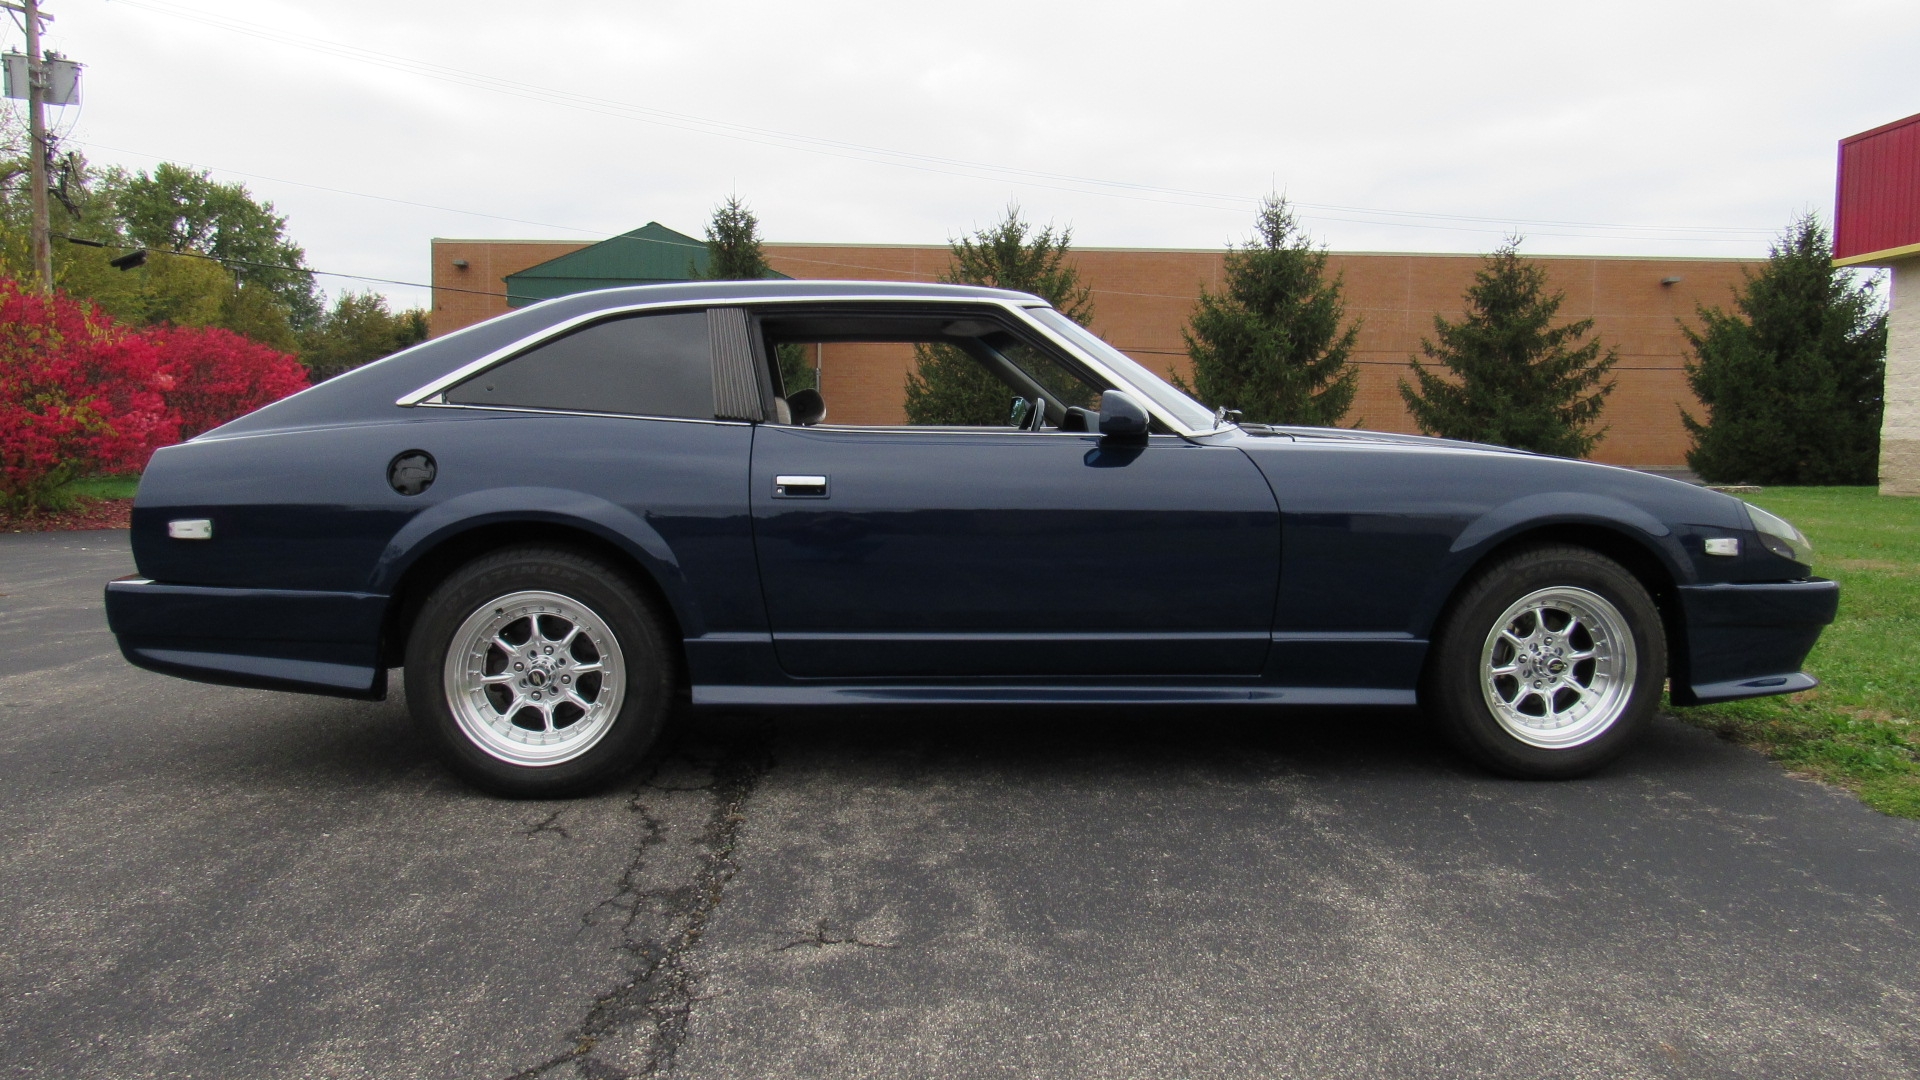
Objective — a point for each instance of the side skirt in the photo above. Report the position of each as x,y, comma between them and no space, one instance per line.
1047,695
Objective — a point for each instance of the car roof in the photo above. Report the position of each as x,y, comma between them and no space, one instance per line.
371,391
710,291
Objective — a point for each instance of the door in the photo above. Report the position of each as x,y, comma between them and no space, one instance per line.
893,552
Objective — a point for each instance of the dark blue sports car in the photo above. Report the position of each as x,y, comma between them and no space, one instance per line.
562,520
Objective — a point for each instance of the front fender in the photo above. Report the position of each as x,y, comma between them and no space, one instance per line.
1502,523
609,521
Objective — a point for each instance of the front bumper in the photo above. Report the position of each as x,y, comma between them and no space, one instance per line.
1749,640
274,639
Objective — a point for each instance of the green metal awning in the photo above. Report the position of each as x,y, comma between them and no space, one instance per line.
650,255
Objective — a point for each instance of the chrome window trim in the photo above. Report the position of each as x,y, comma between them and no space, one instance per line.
714,420
938,429
538,337
1016,309
1144,400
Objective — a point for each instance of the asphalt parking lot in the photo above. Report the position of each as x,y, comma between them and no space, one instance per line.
202,881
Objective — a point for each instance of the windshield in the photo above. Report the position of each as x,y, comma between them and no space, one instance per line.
1192,414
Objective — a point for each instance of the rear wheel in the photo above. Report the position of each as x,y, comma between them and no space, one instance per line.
1549,664
539,672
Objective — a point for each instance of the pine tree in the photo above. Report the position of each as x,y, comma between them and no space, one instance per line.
734,254
733,243
1518,380
949,387
1272,345
1792,380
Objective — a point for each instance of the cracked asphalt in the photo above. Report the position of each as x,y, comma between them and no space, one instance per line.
201,881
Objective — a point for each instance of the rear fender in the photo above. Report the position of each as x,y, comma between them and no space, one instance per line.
615,524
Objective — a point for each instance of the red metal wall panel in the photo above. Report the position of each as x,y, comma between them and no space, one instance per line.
1877,207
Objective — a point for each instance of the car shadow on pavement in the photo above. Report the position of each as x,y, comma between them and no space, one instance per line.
1373,744
271,739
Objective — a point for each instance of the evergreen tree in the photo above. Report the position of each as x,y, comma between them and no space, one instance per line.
949,387
1792,379
1518,380
1272,345
733,243
734,254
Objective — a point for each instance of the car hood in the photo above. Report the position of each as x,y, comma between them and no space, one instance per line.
1259,431
1372,462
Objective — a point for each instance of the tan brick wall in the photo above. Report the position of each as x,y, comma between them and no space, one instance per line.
1142,299
1900,428
464,295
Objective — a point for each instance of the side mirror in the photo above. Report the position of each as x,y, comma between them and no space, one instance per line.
807,406
1121,416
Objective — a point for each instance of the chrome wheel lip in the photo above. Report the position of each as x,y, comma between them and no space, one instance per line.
466,683
1540,660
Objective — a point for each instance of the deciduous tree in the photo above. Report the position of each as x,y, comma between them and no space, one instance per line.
175,208
359,329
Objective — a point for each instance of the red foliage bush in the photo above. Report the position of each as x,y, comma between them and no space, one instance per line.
78,396
219,375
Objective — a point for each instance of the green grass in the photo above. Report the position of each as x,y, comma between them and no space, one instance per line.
1860,728
102,487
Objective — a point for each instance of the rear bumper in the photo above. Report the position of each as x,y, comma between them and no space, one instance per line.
274,639
1744,641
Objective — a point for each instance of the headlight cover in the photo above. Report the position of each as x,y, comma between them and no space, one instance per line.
1780,536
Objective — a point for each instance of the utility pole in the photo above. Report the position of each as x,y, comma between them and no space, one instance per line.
37,134
38,79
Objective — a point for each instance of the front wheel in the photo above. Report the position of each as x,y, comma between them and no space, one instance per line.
539,672
1549,664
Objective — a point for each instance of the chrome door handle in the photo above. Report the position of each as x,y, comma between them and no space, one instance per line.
799,487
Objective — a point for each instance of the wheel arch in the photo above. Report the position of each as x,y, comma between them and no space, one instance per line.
1626,545
434,560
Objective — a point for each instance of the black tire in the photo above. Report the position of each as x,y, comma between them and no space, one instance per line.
1501,700
632,679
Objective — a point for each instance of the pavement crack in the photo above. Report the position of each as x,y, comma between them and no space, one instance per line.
821,938
660,989
551,824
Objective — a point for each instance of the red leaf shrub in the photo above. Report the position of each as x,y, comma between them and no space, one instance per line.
78,395
219,375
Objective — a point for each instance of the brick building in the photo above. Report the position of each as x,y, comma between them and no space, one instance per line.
1142,298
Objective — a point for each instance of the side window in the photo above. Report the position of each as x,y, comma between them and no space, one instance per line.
643,365
917,368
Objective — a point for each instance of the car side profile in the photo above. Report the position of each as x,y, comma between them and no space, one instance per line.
560,521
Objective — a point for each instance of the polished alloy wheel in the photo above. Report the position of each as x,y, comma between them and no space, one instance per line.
1558,667
534,678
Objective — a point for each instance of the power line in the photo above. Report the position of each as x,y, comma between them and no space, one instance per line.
901,158
229,260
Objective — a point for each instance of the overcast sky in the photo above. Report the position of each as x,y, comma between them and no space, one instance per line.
1671,127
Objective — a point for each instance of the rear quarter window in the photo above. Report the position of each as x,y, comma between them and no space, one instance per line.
641,365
